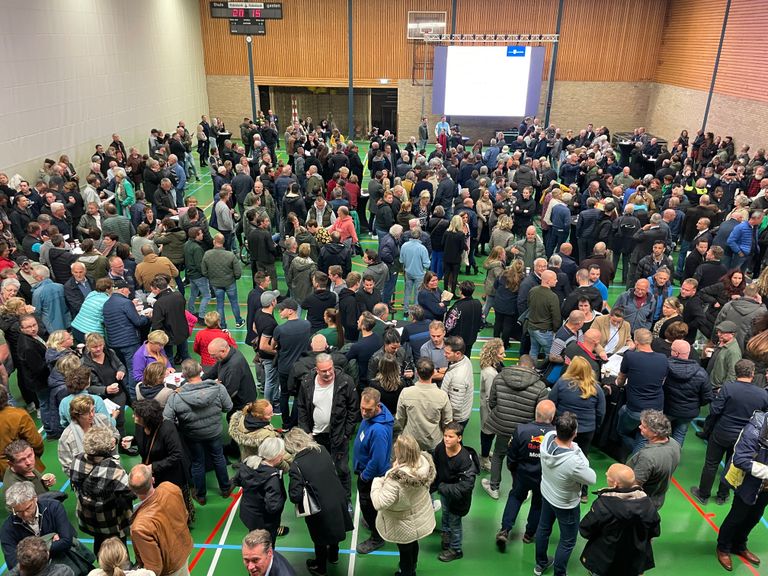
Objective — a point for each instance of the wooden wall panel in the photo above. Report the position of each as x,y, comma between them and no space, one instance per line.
689,44
742,62
601,41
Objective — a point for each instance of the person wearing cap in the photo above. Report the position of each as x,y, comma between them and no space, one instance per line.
291,339
223,269
264,325
731,409
722,364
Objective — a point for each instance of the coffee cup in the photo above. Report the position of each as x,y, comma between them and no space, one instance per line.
48,479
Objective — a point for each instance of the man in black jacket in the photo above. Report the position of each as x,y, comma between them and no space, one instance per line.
263,249
319,301
583,290
232,370
349,308
327,409
619,527
168,315
336,253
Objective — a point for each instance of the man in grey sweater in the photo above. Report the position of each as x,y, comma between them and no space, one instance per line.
564,469
222,268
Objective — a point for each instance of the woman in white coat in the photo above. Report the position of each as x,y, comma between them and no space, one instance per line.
402,500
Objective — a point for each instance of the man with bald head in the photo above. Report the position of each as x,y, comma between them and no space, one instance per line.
638,305
543,314
233,371
589,348
524,463
569,265
686,389
619,526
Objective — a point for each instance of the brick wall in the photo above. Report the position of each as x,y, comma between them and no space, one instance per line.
331,104
618,105
673,108
229,98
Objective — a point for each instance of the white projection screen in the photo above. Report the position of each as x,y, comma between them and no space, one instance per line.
500,81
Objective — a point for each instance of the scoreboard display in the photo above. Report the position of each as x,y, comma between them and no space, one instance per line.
247,26
247,10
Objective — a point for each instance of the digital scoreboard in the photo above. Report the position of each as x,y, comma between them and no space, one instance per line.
247,10
247,26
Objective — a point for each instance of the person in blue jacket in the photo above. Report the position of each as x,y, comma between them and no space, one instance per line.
743,241
371,458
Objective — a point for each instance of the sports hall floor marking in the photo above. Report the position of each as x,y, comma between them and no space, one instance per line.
224,534
208,540
353,544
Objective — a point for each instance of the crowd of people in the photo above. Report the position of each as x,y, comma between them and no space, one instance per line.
96,322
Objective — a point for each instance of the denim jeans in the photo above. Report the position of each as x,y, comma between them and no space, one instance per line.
489,301
182,350
389,287
231,293
271,385
411,285
521,486
628,429
437,263
740,261
568,521
199,287
685,247
48,415
199,450
451,525
125,355
189,166
679,430
540,340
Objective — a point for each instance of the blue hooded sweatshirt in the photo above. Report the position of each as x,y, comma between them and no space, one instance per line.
373,445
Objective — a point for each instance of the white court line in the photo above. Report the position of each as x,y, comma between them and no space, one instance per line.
224,535
353,546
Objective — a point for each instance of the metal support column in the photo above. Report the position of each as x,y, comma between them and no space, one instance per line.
717,65
249,47
552,64
351,73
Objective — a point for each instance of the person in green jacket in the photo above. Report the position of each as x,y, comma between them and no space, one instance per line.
125,197
543,314
222,268
198,284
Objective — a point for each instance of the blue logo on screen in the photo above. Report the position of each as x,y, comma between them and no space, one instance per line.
516,51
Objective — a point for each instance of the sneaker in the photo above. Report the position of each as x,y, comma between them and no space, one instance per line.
240,324
528,538
369,546
485,464
538,570
501,540
450,555
492,492
696,493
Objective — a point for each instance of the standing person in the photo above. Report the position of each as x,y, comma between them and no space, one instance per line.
491,363
512,401
619,527
222,269
423,134
465,317
578,391
327,409
655,463
370,458
453,246
642,372
686,389
263,495
458,380
524,462
261,559
456,469
722,364
291,339
731,410
751,458
543,314
265,324
402,499
312,469
233,371
194,251
161,539
168,315
415,260
197,407
263,248
564,469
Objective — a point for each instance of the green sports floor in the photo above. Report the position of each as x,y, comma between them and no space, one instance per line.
686,544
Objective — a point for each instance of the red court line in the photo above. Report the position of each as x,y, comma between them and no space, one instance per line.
211,536
708,519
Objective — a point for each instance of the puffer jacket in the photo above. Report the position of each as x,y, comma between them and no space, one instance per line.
686,389
197,409
263,494
221,267
741,312
750,454
495,269
299,278
402,499
173,245
514,394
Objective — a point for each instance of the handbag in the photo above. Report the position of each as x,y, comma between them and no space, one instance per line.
309,505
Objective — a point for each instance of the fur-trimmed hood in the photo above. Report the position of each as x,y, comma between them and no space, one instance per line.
422,475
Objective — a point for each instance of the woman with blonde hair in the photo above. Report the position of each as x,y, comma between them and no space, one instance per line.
153,350
108,378
505,302
671,311
151,385
114,561
491,363
401,497
502,235
250,426
484,209
207,335
454,244
58,346
494,267
578,391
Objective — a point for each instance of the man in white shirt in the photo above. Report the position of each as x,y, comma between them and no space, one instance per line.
458,380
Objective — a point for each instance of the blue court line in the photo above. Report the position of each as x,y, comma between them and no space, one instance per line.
763,521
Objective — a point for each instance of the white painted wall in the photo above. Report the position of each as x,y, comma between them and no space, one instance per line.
72,72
